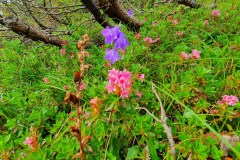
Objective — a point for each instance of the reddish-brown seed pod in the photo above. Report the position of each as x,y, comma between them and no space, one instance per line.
77,77
70,97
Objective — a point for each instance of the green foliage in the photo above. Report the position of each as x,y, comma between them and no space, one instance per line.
119,131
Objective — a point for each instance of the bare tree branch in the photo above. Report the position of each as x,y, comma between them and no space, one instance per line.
22,28
9,8
190,3
93,8
118,13
167,129
32,15
163,121
53,16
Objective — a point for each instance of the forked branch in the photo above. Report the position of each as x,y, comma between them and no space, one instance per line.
163,121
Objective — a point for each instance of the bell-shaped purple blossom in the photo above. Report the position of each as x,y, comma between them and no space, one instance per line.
111,34
114,35
121,42
112,55
130,12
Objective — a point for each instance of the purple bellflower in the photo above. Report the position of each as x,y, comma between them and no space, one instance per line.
111,34
121,42
112,55
130,12
114,35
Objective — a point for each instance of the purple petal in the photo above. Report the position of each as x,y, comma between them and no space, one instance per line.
121,42
111,34
130,12
112,55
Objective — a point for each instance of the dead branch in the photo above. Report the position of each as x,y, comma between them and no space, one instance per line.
163,120
1,20
22,28
93,8
33,16
190,3
118,13
167,129
53,16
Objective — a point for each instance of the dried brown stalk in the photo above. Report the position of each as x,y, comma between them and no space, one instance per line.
74,98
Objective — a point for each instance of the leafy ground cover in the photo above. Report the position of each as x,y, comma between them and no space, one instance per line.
190,55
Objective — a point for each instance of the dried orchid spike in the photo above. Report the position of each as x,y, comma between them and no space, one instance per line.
77,77
81,44
86,38
71,98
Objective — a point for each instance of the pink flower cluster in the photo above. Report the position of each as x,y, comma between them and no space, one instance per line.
194,55
140,77
119,82
29,141
175,22
215,13
180,33
149,41
229,100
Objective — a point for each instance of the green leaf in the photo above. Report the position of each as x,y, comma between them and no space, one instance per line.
199,147
115,147
216,154
152,149
132,153
61,156
99,130
7,138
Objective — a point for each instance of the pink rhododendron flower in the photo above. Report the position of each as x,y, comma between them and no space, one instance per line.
124,94
45,80
140,77
154,24
175,22
184,55
64,43
150,40
195,54
137,35
89,136
139,94
63,51
119,82
29,142
82,86
147,39
206,23
66,87
180,33
107,64
229,100
73,55
215,13
95,102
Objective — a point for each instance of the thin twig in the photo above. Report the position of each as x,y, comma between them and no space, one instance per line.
163,120
167,129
